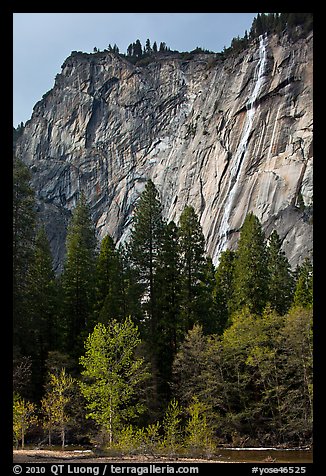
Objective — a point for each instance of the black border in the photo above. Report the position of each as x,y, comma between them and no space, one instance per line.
6,18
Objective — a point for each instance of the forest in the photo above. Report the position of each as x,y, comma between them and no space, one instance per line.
149,346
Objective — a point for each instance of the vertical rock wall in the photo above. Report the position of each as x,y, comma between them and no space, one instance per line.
227,137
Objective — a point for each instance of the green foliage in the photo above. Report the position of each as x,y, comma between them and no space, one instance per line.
167,281
224,289
280,282
145,249
172,427
189,366
232,344
303,294
296,376
251,270
110,283
252,377
55,402
78,278
277,22
194,309
145,246
41,304
23,418
199,436
24,222
112,375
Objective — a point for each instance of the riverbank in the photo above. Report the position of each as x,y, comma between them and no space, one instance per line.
230,455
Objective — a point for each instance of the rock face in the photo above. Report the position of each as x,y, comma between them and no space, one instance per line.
225,136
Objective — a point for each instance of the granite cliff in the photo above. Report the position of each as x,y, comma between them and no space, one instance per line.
227,136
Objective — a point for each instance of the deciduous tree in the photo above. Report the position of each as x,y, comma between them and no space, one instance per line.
24,417
113,375
55,404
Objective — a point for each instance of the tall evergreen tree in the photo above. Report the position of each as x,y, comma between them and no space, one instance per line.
41,307
195,306
251,270
169,332
110,299
303,294
78,277
280,282
189,366
24,221
223,290
144,250
138,49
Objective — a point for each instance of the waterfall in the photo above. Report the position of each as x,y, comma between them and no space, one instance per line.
240,154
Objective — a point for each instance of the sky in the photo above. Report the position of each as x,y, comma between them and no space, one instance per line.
42,41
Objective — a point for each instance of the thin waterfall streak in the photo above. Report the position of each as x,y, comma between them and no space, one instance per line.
239,157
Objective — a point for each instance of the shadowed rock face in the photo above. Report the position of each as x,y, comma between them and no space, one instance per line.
226,137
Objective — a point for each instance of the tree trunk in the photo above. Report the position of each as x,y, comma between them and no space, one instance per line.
63,437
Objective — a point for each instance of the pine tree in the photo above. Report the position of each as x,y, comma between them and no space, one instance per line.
41,307
194,306
189,367
199,434
145,248
251,270
172,427
78,277
148,48
144,251
110,299
280,283
167,280
223,290
24,221
137,51
303,294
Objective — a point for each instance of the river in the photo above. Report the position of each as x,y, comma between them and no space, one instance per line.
255,455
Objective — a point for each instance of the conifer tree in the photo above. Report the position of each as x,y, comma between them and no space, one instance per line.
199,434
303,294
78,277
189,367
24,221
41,307
110,299
280,282
251,270
194,305
144,251
169,332
172,427
223,290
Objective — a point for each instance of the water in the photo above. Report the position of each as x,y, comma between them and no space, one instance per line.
261,455
239,156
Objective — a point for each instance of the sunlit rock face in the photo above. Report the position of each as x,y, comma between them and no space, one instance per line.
225,136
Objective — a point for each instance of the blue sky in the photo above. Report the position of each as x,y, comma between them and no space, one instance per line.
42,41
